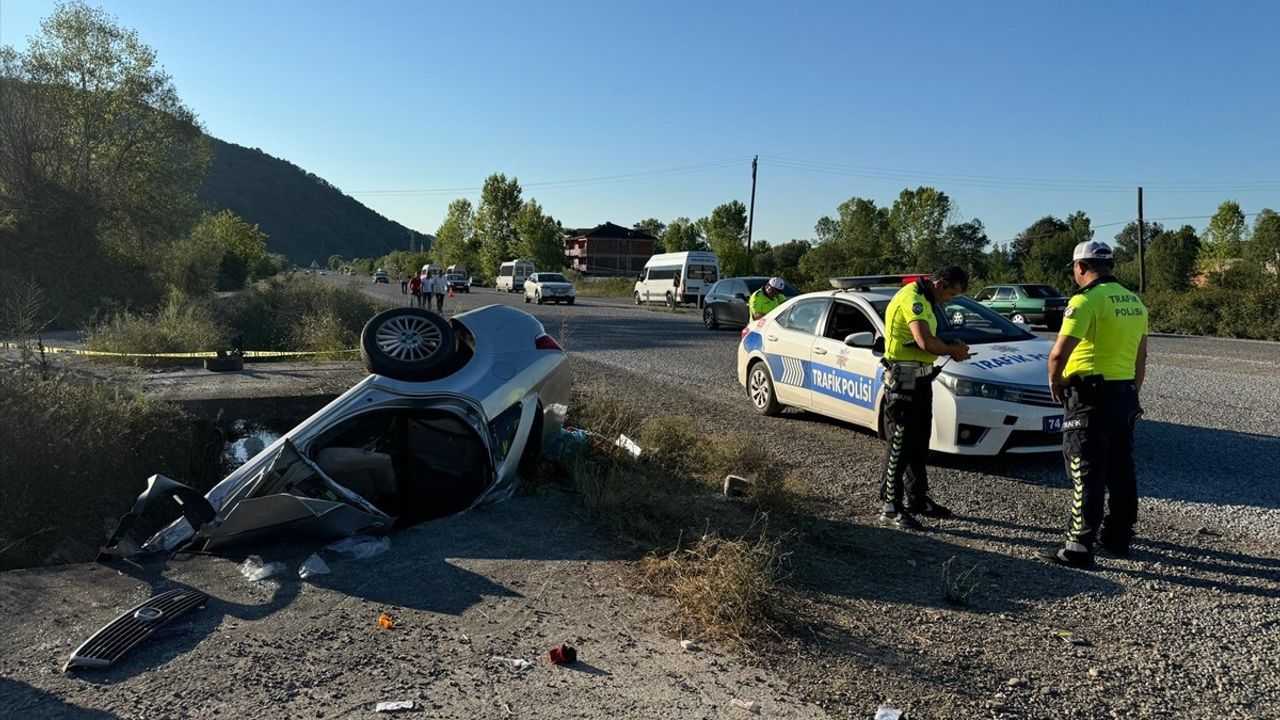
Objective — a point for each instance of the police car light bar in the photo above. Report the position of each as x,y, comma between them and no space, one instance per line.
868,281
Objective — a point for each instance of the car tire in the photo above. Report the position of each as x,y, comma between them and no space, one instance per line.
671,300
709,318
526,299
760,389
570,301
537,297
407,343
1019,318
638,300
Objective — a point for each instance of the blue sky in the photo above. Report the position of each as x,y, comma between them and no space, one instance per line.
1014,109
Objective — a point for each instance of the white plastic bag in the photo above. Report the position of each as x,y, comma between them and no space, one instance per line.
361,547
516,663
884,712
254,569
314,565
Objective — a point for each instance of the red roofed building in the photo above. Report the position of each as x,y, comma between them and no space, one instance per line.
608,249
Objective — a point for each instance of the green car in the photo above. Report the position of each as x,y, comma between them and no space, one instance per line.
1026,304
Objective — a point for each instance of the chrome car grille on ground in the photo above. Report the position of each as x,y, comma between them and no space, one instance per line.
132,627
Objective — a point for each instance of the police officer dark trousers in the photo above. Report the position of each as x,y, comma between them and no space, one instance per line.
1096,369
910,348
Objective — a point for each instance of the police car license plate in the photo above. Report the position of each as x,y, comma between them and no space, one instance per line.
1053,424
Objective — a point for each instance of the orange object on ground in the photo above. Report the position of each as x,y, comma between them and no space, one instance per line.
386,622
563,654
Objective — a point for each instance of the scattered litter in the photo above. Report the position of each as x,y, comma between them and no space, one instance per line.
313,565
563,654
1095,672
254,569
515,663
1069,637
361,547
629,445
689,645
749,705
1202,530
884,712
386,622
736,485
394,706
568,442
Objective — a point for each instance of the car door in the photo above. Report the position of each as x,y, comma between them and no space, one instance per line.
735,306
844,380
1004,299
788,344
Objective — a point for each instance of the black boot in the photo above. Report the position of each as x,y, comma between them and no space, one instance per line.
1073,554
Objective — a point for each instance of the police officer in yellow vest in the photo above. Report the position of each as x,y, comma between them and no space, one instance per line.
768,297
911,346
1096,368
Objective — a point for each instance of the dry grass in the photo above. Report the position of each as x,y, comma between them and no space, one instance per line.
958,586
724,588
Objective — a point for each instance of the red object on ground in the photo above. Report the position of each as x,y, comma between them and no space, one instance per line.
563,654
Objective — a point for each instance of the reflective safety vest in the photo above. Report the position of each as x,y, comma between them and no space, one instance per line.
1110,322
761,304
908,305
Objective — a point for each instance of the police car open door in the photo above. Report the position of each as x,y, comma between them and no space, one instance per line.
844,380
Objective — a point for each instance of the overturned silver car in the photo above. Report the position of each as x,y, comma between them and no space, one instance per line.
453,411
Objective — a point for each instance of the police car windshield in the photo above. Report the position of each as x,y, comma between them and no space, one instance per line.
964,319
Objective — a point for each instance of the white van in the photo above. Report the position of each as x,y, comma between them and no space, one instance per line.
431,270
677,278
512,274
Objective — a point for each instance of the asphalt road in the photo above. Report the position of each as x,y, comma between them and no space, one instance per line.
1208,445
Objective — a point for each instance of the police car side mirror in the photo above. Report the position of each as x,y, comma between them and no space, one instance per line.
860,340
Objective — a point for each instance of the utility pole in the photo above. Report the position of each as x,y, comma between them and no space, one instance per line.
751,218
1142,241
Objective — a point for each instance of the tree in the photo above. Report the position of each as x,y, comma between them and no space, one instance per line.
540,237
1045,228
918,218
1263,247
781,259
1126,244
1223,238
222,252
495,221
682,235
999,266
335,262
963,244
726,231
653,226
1171,259
456,238
856,242
1049,260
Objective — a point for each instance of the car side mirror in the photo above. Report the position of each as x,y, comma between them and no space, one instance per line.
860,340
740,296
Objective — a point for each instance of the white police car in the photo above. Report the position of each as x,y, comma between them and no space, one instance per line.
821,352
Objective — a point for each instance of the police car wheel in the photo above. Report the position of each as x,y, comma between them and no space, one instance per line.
709,318
760,387
638,301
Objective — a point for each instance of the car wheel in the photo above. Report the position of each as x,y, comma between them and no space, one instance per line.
638,300
406,343
760,387
537,297
570,301
671,300
1019,318
526,299
709,318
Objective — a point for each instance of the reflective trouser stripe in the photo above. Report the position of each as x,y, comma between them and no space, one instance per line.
891,468
1077,499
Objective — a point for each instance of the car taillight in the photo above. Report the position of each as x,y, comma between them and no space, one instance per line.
745,330
546,342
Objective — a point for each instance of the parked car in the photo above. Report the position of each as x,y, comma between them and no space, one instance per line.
451,414
545,287
381,276
458,283
677,278
726,302
821,352
1025,303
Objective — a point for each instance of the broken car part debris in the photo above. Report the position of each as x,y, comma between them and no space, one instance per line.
132,627
563,654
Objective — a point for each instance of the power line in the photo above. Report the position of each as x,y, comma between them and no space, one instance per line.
574,183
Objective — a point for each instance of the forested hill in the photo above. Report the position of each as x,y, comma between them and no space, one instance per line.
305,218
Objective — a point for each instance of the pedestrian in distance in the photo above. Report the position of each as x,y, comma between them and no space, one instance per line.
768,297
415,291
404,284
438,286
1096,369
911,347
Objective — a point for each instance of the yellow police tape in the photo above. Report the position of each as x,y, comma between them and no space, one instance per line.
187,355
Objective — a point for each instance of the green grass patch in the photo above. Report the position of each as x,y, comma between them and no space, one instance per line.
614,287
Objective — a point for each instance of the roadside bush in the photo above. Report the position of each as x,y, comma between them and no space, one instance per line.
73,455
298,313
1249,312
182,324
618,287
